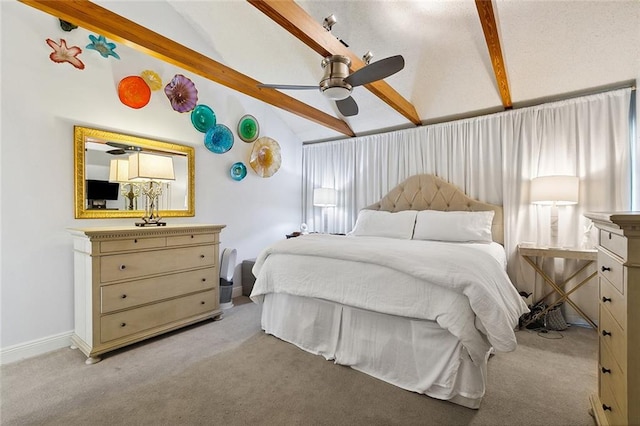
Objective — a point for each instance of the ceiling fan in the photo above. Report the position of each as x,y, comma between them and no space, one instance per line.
122,148
337,84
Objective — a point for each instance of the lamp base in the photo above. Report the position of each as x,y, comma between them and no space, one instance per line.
151,224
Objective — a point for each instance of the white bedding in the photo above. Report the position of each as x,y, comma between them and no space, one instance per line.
454,284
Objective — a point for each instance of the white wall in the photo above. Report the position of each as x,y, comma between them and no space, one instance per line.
43,100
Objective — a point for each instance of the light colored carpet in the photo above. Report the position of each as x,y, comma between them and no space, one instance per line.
229,372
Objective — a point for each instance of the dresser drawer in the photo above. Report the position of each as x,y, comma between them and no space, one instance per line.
613,377
132,244
116,297
615,302
613,337
611,269
615,243
134,265
615,415
183,240
125,323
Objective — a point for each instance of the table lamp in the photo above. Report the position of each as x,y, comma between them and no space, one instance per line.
554,191
152,169
324,197
119,172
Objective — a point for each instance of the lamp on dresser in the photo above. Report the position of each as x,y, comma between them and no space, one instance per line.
324,197
119,172
153,170
554,191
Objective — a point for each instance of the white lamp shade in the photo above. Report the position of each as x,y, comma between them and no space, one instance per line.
324,197
145,166
558,190
119,170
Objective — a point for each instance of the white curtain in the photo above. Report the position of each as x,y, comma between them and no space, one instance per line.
492,158
364,169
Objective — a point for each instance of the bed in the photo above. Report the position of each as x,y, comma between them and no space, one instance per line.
416,295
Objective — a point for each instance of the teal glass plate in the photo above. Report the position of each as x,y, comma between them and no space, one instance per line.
248,128
218,139
203,118
238,171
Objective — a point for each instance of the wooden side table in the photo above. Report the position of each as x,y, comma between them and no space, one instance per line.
530,252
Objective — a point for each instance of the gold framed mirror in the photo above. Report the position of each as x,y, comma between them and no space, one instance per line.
101,194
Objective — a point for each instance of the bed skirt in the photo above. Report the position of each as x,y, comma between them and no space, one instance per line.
416,355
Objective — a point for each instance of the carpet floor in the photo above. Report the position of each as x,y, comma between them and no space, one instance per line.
230,372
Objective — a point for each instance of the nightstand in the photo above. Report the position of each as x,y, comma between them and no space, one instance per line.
530,253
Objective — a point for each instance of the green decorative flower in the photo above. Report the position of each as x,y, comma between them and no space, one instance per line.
102,46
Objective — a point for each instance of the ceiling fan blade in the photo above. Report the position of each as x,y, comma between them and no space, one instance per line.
347,107
287,87
376,71
124,146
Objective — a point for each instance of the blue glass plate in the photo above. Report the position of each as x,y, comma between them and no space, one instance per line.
248,128
238,171
218,139
203,118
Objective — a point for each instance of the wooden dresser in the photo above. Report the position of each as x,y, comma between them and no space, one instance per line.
132,283
618,399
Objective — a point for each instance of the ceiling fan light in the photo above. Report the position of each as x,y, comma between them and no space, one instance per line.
336,93
329,22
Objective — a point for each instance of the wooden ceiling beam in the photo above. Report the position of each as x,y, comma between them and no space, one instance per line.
299,23
102,21
490,29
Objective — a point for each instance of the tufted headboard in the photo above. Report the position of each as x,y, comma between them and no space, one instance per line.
429,192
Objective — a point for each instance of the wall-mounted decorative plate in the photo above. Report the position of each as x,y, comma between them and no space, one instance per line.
203,118
248,128
238,171
134,92
182,93
218,139
265,157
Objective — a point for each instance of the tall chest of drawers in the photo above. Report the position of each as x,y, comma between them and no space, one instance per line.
617,401
132,283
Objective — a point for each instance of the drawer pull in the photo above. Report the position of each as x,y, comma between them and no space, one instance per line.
606,371
606,299
204,279
123,324
202,302
606,333
202,256
192,236
606,407
135,241
124,296
605,269
122,267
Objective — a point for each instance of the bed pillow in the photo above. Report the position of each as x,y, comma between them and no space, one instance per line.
454,226
376,223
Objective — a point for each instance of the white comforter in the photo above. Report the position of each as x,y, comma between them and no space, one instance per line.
453,284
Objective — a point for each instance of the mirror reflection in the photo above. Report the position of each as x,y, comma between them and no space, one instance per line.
105,187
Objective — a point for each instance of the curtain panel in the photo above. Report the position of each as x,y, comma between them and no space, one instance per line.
492,158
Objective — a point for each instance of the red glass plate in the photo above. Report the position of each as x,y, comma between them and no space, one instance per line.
134,92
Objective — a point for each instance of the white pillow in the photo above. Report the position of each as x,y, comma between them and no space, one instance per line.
453,226
375,223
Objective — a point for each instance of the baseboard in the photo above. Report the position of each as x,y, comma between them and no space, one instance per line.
35,347
236,292
51,343
576,320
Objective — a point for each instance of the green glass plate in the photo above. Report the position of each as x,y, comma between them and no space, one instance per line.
248,128
203,118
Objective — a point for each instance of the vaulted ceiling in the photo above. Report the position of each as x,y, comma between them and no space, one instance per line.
462,58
